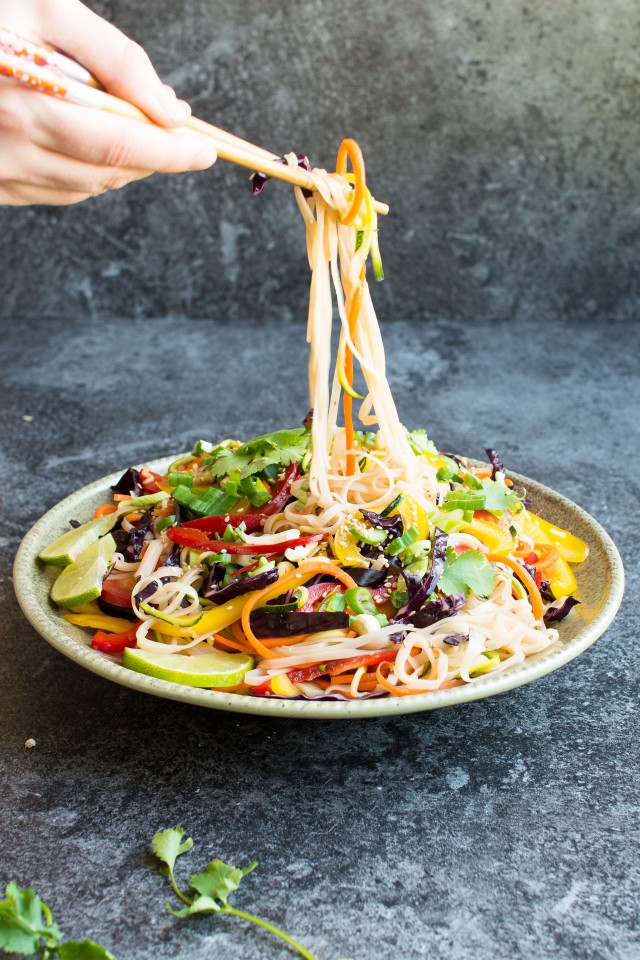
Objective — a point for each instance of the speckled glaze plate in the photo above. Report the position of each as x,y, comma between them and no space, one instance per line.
600,581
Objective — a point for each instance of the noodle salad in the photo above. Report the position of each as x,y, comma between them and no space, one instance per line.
339,560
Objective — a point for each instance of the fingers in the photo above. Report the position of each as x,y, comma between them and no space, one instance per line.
120,64
34,166
16,194
106,140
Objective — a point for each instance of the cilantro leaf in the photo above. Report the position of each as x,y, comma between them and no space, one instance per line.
420,443
489,495
167,846
471,571
220,879
498,498
82,950
24,921
279,449
199,905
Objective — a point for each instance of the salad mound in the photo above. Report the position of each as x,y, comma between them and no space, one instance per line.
219,574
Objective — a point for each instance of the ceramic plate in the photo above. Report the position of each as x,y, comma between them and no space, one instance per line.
600,580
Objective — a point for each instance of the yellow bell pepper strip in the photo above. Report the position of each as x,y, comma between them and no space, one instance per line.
99,621
213,620
571,548
554,568
413,515
492,535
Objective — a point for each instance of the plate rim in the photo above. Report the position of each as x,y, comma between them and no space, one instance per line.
49,624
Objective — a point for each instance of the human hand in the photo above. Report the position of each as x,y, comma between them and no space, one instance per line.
53,152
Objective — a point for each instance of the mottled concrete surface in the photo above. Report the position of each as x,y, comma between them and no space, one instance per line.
505,828
505,135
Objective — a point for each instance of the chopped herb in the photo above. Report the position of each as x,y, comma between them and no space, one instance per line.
273,449
470,571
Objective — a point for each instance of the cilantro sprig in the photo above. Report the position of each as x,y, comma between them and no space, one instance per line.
27,927
277,449
486,495
468,572
209,891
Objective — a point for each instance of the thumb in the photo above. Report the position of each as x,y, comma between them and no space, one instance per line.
120,64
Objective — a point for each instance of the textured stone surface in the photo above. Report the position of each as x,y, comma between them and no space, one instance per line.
505,828
505,135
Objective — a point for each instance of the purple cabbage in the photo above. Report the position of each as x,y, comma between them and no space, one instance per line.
324,696
137,537
129,482
430,582
173,557
555,614
367,577
259,180
495,461
546,592
436,610
289,623
240,585
75,524
121,538
308,420
454,639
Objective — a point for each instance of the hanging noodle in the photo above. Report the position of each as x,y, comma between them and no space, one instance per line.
341,477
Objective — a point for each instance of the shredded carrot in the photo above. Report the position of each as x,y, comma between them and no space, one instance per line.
121,497
547,555
164,511
349,150
522,575
396,691
285,641
303,573
104,510
231,644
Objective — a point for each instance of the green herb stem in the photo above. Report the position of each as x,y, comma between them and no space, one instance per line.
272,929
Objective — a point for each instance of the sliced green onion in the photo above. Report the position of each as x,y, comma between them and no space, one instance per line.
359,600
334,603
399,598
163,522
401,543
472,482
177,477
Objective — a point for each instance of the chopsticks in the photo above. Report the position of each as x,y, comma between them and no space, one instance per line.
55,74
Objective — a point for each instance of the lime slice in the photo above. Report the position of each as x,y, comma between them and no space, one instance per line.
207,670
70,545
81,581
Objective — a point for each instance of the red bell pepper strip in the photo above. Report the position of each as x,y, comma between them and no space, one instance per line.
262,689
254,519
115,642
199,541
334,668
149,481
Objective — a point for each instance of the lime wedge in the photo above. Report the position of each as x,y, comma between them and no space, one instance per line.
207,670
70,545
81,581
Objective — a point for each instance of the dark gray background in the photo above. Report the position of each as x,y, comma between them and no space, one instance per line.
505,136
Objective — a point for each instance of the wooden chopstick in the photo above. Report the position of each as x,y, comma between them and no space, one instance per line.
60,78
